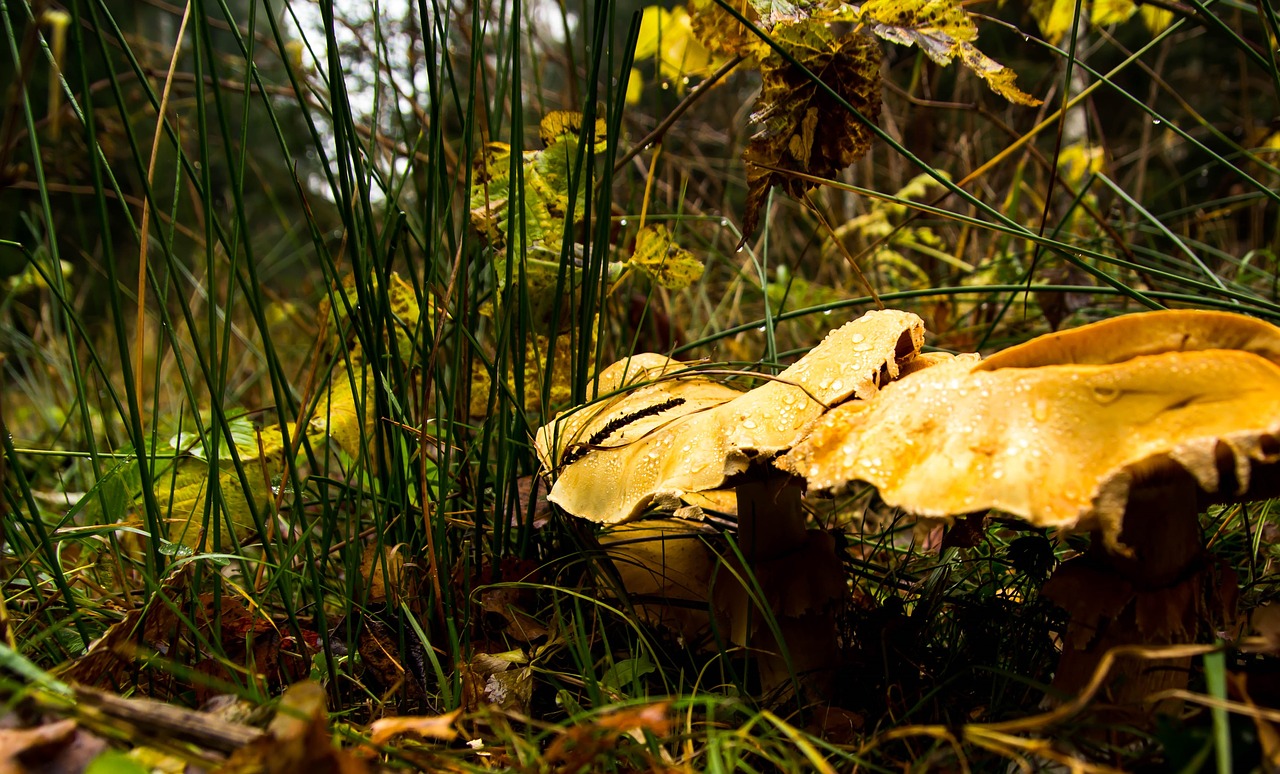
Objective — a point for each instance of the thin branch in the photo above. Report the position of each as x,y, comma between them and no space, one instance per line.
693,96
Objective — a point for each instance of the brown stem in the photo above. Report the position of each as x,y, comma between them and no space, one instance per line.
800,577
1148,590
770,517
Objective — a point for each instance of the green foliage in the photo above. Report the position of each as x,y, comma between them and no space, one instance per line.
543,189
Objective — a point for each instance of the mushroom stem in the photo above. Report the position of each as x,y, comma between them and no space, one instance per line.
770,516
1148,590
799,576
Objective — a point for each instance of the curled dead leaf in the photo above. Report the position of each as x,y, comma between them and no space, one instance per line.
792,107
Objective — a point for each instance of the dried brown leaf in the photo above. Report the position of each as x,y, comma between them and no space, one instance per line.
143,629
20,747
718,31
427,727
792,108
659,256
943,31
297,740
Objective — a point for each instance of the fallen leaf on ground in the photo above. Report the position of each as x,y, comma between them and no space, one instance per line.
428,727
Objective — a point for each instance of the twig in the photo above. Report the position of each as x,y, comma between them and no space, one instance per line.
166,720
693,96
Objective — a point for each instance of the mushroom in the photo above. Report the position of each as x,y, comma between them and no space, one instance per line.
685,433
1125,427
666,568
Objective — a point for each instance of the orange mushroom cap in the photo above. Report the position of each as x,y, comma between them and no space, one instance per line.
1054,432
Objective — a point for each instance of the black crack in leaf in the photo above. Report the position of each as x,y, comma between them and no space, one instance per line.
577,452
804,128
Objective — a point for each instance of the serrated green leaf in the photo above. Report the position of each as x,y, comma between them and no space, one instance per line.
544,196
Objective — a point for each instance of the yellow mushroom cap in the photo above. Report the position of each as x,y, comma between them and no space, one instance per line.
689,433
1145,333
1059,445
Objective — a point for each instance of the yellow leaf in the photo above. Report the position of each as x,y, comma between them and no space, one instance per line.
481,384
772,12
561,122
791,108
635,87
1156,19
544,199
934,25
669,36
658,256
1054,17
1076,161
339,418
943,31
999,78
407,318
652,22
538,361
184,491
1103,13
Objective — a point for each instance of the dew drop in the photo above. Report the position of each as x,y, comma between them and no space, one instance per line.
1105,395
